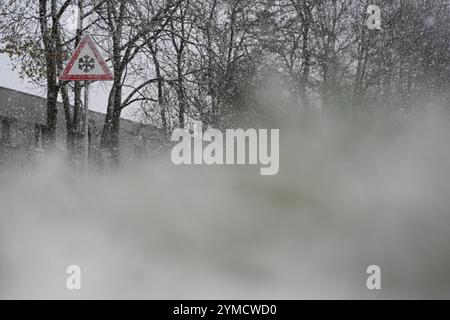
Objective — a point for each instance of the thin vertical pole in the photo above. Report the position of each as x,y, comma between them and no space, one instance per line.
86,125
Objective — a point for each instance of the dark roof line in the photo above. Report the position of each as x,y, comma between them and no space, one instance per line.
43,100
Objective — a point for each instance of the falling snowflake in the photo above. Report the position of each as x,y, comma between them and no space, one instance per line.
86,64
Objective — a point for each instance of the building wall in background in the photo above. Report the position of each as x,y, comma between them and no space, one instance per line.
22,125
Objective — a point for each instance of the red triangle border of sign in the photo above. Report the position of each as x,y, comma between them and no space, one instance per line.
107,76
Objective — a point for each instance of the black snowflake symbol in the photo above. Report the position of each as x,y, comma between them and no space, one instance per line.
86,63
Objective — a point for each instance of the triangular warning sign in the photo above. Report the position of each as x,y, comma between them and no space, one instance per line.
86,64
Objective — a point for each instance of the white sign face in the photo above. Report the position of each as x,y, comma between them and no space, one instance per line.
86,64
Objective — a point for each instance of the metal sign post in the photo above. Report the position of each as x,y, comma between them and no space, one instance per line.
86,125
86,64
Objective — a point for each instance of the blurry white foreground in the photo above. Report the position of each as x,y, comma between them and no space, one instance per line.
347,196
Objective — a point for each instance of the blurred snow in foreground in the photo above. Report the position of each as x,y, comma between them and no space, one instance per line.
348,195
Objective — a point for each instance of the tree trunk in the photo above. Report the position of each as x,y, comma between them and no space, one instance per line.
110,132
